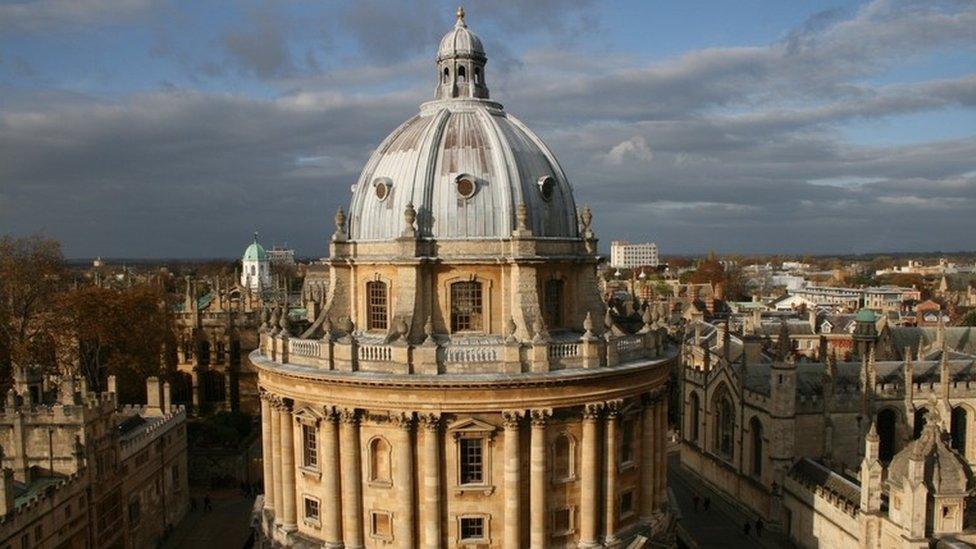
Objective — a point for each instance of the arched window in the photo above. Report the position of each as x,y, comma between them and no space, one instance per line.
477,75
694,420
563,462
447,75
886,421
958,427
755,429
552,301
379,462
466,315
919,421
462,75
724,424
376,305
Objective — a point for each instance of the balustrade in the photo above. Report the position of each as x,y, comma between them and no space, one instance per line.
375,353
470,353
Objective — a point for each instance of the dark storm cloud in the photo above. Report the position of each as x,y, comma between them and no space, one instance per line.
260,46
737,149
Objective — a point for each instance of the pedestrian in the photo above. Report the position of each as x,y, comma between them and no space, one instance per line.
746,527
193,504
694,501
206,503
759,527
708,502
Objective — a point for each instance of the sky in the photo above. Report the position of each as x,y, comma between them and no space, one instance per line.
177,128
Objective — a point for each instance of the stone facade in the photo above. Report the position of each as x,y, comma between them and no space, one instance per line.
82,472
792,438
459,387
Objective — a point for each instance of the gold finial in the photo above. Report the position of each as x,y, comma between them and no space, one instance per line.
460,15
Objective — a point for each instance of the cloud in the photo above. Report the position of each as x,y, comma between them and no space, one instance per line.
738,148
44,15
633,149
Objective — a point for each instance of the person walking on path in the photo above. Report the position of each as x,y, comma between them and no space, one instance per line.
708,503
746,527
694,502
206,503
759,527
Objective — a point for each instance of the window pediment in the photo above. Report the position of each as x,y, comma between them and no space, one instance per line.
471,426
308,416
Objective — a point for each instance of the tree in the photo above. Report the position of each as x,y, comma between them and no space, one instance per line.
969,319
32,273
125,332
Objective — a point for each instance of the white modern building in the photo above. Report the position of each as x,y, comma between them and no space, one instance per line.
627,256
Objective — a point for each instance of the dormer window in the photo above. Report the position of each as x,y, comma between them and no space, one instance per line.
547,186
382,187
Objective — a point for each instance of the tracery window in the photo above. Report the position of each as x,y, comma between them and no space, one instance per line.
724,425
553,303
694,419
757,446
376,305
466,306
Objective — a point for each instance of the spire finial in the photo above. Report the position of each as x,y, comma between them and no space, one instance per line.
460,16
255,236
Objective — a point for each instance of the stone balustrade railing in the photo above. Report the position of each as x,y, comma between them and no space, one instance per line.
348,354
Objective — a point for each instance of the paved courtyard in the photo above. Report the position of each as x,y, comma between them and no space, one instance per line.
227,526
720,526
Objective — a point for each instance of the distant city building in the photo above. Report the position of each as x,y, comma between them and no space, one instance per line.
876,298
914,266
80,471
281,256
256,267
625,255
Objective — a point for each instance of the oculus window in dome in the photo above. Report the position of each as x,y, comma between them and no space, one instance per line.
463,162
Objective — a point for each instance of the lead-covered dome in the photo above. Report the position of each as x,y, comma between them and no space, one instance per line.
463,163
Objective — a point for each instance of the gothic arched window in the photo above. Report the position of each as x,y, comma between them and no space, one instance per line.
693,418
756,432
376,305
724,424
466,306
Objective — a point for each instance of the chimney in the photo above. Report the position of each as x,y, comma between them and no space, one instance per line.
113,389
752,348
812,317
153,394
167,398
68,391
7,489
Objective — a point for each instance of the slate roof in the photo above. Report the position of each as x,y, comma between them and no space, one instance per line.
813,475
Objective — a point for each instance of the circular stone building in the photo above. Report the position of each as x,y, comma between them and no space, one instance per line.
461,382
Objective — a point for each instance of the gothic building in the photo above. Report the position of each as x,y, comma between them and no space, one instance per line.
461,382
875,450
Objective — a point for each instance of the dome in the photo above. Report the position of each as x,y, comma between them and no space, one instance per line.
255,252
945,470
460,41
464,164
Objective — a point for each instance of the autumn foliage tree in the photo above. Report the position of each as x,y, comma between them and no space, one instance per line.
124,332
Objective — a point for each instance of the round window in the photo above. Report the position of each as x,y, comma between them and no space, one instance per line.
547,186
466,186
382,188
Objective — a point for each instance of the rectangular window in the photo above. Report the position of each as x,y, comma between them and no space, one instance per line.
310,447
381,525
627,503
553,302
562,521
466,306
376,305
627,441
472,528
311,509
472,460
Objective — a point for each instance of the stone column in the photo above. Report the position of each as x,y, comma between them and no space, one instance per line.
647,467
537,479
610,451
590,477
289,520
432,481
267,457
404,470
352,481
662,454
332,502
279,510
513,481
